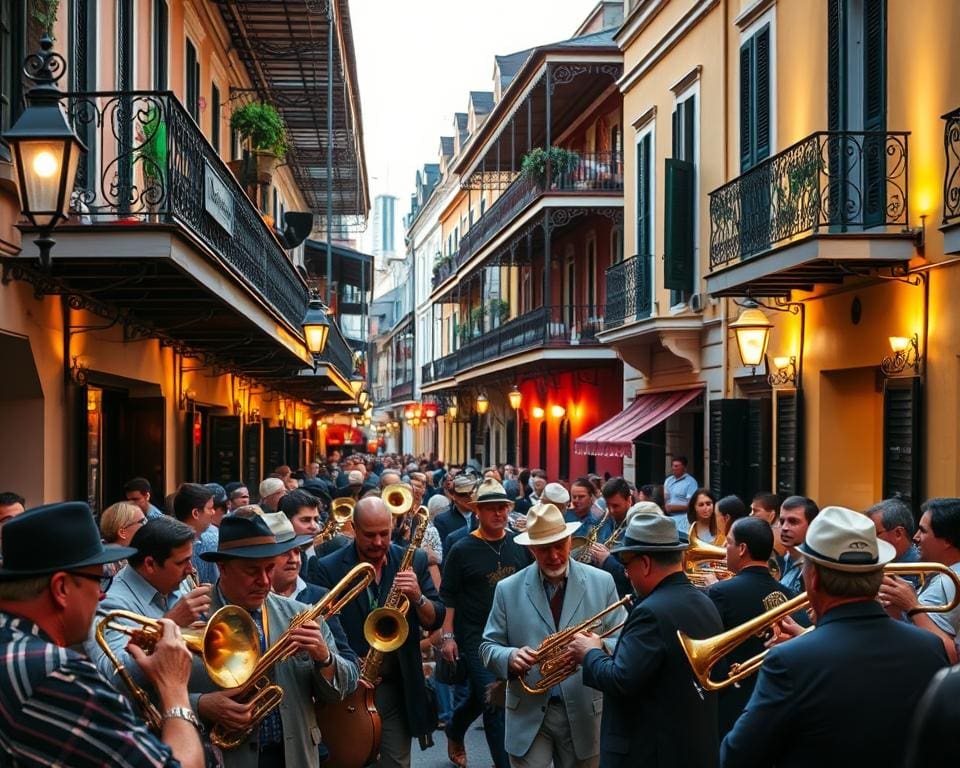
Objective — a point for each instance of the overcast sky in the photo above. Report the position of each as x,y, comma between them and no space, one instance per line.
416,62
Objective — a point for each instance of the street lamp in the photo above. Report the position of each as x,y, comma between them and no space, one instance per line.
356,382
452,411
45,149
482,404
516,397
316,327
363,398
752,329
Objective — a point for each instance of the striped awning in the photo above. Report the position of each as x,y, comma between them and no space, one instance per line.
616,435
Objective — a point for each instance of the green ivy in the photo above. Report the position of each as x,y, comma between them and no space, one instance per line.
262,125
44,12
534,163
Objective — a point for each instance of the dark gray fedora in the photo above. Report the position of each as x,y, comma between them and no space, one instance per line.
648,532
55,537
245,538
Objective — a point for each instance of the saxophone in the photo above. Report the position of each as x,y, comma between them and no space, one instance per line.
580,549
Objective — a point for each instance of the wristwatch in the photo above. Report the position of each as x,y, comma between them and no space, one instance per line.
327,663
448,636
182,713
422,600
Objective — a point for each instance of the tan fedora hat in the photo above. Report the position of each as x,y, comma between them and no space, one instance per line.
545,525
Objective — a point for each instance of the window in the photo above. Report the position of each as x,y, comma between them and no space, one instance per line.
192,76
125,43
215,118
11,56
160,44
616,246
679,219
591,298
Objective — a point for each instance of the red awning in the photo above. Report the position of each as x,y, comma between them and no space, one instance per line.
615,436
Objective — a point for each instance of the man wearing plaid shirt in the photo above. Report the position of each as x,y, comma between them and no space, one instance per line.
55,707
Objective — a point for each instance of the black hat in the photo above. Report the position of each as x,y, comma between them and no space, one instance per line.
55,537
317,488
218,491
247,539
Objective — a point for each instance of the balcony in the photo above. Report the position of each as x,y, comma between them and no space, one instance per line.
629,291
554,327
600,172
951,183
832,205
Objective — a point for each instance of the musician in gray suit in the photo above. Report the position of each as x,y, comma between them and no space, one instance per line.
246,557
562,724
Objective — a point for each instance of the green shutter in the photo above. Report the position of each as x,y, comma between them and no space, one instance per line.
836,53
643,196
789,432
874,112
678,225
746,105
902,439
761,101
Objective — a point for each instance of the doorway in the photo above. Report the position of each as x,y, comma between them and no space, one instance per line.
21,413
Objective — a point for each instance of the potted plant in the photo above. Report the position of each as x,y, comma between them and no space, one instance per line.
476,319
262,127
562,161
500,309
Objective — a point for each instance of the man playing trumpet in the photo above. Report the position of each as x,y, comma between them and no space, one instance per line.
561,723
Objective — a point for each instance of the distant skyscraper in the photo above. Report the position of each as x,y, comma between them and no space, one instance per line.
384,227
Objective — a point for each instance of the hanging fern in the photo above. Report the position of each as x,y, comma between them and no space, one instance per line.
44,12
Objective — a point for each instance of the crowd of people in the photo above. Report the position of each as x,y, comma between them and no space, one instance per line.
551,610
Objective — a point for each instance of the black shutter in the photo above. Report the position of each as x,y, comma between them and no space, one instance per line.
160,35
224,446
564,471
543,445
215,125
836,119
761,104
728,446
643,196
746,105
274,448
759,448
253,458
902,439
874,111
789,433
678,225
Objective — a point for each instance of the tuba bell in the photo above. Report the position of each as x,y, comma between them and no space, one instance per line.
398,498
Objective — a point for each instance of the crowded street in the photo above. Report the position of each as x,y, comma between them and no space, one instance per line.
564,384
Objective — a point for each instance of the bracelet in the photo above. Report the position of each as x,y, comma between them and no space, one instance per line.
182,713
327,663
448,636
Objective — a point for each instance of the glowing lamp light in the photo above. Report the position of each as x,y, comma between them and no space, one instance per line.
430,410
537,412
356,383
452,410
558,411
516,397
781,362
482,404
899,343
316,327
752,330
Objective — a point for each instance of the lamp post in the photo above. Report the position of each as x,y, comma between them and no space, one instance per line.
516,398
45,149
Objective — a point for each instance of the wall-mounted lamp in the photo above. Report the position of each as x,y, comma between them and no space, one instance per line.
186,398
558,411
752,329
537,412
316,326
516,397
255,415
906,354
784,371
483,404
452,411
78,370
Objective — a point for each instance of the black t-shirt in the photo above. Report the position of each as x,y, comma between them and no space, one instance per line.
471,571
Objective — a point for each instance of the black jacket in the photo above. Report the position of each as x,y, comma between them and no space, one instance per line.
448,522
330,569
654,713
841,695
935,738
738,600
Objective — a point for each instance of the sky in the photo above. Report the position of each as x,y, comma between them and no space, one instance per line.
416,63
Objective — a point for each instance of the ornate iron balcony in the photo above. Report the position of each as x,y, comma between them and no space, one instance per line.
951,177
148,163
831,182
629,290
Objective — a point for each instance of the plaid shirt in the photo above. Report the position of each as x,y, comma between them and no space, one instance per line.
56,709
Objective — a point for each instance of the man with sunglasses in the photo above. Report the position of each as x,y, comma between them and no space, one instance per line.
50,585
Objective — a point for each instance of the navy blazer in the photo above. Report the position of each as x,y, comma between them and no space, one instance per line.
312,594
841,695
654,713
332,568
449,521
738,600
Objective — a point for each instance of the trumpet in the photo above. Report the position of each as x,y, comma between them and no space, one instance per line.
398,497
258,690
229,645
580,545
341,512
551,651
703,655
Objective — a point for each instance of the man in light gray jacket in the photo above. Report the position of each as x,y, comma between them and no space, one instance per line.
561,723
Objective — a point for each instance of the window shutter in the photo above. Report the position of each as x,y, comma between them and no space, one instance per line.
835,66
678,225
761,105
789,431
874,111
759,448
728,454
902,439
746,104
643,196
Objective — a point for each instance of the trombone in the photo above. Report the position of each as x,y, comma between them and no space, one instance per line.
257,689
229,645
703,655
552,650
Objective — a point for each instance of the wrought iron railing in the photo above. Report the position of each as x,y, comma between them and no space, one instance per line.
629,290
557,326
829,182
148,162
337,352
593,172
951,177
402,390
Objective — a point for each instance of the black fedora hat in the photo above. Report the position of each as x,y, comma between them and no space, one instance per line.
245,538
55,537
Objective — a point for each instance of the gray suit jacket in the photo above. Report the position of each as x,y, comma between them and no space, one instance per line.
302,682
512,624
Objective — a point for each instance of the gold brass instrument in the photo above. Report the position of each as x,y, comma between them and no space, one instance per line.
700,559
341,512
228,643
580,545
258,690
398,497
551,651
704,654
617,533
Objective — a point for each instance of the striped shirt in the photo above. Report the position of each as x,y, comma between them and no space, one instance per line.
56,709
